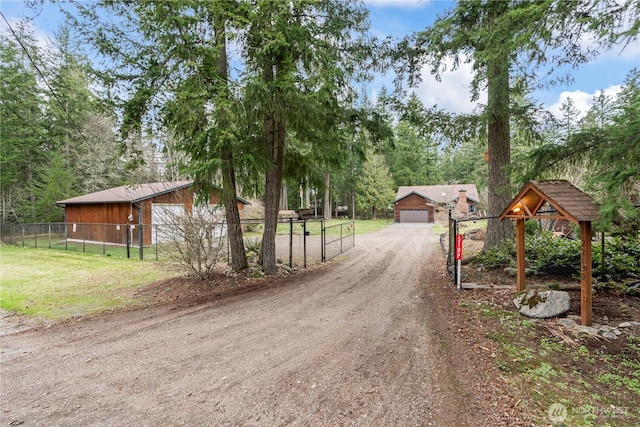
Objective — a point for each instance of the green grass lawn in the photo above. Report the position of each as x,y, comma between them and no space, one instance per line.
56,284
362,226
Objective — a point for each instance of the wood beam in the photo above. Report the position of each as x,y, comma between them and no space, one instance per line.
585,273
520,258
538,217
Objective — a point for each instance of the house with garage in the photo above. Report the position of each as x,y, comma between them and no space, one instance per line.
420,203
132,213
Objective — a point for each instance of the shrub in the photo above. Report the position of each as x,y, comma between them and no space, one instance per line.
495,258
622,258
195,240
548,255
253,246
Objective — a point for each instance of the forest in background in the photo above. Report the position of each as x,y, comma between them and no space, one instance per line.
157,93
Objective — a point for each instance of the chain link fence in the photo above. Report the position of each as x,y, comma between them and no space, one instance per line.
299,243
552,252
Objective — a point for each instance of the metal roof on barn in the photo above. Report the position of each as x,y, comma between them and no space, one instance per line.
560,199
131,193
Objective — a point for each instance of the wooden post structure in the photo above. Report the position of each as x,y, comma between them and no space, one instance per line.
585,273
520,256
553,200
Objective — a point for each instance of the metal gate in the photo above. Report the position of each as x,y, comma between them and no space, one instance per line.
337,239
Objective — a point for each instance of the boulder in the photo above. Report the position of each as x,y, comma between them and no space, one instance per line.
542,305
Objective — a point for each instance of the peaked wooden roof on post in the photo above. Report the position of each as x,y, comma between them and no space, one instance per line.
567,201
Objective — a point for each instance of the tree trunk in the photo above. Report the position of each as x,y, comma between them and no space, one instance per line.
274,136
284,197
327,196
499,185
307,195
228,194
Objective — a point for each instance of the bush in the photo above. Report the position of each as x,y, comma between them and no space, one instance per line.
622,258
532,227
551,256
252,246
195,241
547,255
497,258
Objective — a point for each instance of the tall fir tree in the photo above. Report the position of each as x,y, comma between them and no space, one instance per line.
505,40
23,150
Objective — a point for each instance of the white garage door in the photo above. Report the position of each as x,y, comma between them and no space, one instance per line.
414,216
164,217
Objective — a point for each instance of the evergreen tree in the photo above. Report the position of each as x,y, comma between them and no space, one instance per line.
56,183
375,189
23,148
301,58
501,38
413,156
607,148
171,62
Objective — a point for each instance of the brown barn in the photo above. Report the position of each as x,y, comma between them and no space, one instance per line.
117,215
420,203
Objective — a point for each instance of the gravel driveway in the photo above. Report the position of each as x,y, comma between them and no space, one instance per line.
353,343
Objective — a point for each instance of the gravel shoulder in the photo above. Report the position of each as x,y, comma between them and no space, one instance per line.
361,341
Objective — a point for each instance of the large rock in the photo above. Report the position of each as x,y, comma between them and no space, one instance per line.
542,305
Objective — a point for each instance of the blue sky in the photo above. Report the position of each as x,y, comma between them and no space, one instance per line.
401,17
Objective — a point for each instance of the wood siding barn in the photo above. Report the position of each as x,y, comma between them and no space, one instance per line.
420,203
105,216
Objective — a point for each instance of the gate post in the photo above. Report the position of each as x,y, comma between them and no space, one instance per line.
290,242
128,240
322,240
304,243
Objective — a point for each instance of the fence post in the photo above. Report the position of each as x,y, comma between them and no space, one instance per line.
290,242
104,238
304,243
23,236
156,245
49,235
322,239
455,264
35,238
602,257
140,242
353,234
128,240
84,238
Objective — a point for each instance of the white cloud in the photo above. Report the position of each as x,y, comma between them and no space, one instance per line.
452,93
42,40
583,101
398,4
627,52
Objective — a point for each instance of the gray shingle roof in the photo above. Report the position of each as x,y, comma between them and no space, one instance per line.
435,192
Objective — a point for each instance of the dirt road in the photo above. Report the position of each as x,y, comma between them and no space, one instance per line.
354,343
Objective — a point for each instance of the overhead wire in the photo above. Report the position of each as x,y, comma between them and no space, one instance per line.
44,79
